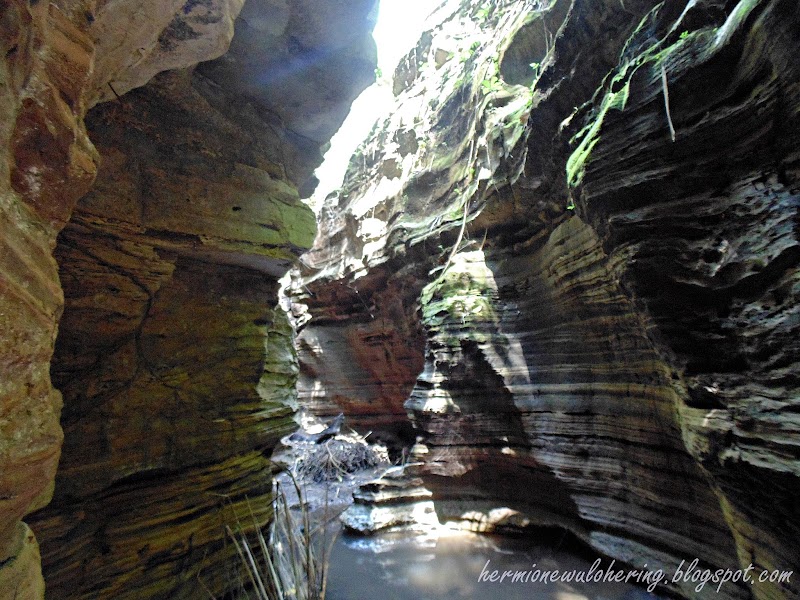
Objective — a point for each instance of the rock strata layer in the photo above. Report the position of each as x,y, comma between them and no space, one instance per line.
177,374
589,213
47,164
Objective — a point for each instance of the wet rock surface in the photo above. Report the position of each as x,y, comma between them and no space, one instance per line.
393,502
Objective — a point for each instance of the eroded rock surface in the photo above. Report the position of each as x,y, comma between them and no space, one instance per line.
710,246
177,374
608,309
47,164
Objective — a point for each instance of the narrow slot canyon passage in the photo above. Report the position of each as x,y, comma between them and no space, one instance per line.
530,330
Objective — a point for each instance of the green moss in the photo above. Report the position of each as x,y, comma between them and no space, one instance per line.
576,163
615,100
299,223
464,293
654,56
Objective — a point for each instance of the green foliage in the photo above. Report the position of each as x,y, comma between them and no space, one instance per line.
536,67
491,82
491,85
684,35
468,53
378,73
529,102
462,294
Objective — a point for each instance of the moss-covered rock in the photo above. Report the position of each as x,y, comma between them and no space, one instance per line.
580,364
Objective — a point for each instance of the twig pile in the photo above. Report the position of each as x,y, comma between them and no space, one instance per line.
333,459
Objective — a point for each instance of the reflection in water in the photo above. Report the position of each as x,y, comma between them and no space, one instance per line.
448,567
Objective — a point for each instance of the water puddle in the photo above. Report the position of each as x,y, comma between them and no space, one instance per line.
450,566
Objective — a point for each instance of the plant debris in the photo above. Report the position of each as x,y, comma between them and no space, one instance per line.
339,456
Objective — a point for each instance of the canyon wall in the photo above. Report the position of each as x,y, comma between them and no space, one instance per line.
581,219
48,163
177,373
569,254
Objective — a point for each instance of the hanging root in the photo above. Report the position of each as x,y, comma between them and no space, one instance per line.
666,101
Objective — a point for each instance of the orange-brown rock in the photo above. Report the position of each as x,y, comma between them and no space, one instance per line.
365,360
169,356
136,40
173,366
176,370
46,164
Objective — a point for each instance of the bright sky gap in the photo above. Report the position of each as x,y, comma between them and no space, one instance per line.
399,25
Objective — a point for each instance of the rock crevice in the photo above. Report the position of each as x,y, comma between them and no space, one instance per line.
607,306
177,373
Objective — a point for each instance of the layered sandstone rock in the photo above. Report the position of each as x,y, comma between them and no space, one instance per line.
47,164
177,373
609,315
440,146
625,368
707,241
